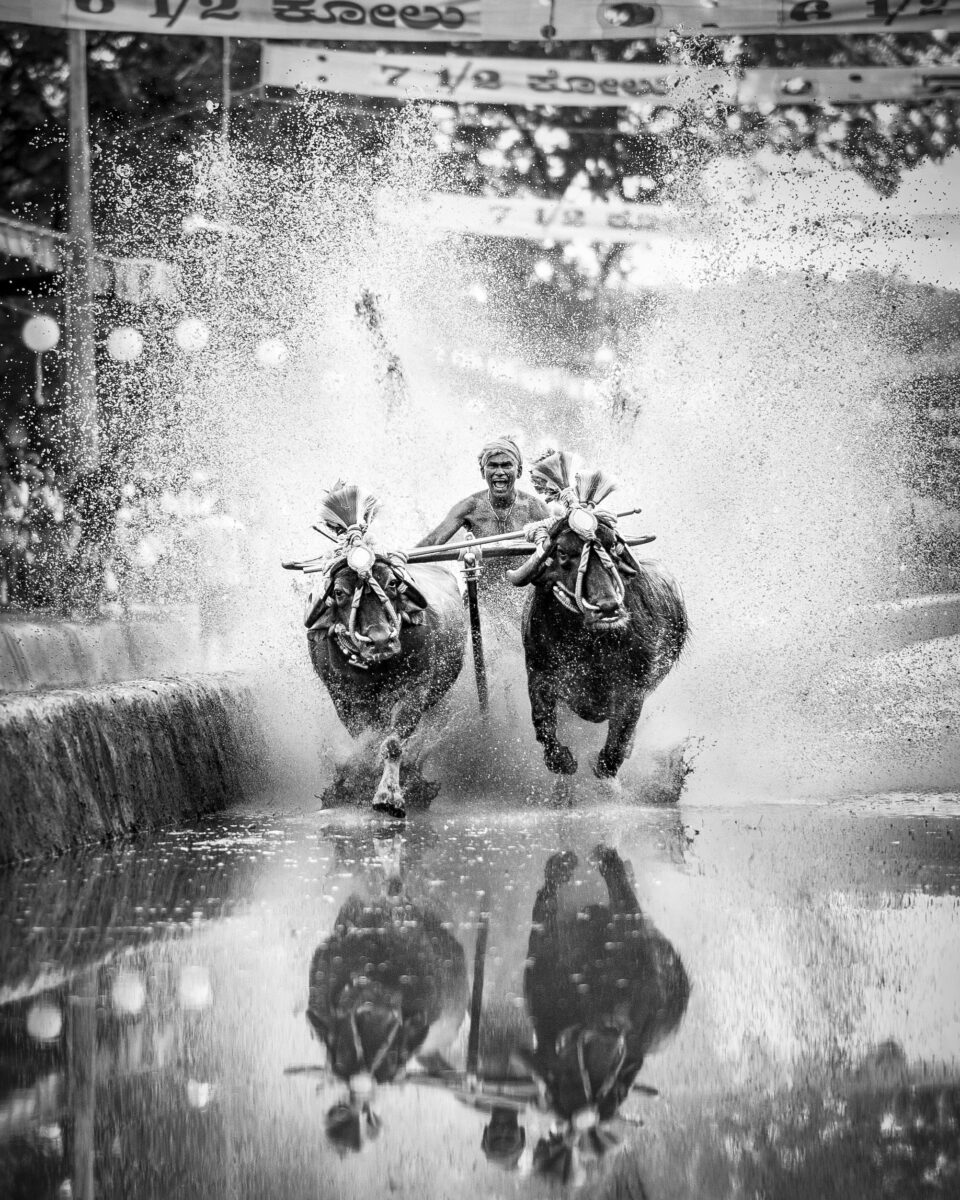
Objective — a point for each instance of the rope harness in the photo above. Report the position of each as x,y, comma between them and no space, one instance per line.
585,523
592,1095
384,1049
359,556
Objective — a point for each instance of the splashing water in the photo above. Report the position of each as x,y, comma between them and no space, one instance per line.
761,451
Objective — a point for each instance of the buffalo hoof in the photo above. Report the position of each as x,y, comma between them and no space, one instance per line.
389,800
606,859
560,761
388,809
601,768
560,868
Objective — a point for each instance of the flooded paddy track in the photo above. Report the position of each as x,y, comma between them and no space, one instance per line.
154,1038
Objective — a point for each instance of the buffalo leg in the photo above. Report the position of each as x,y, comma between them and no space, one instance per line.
613,872
619,738
543,708
389,794
403,721
558,871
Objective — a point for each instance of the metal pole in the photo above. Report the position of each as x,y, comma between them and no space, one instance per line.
82,370
82,1081
225,93
471,572
476,997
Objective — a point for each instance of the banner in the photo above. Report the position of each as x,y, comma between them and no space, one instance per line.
132,280
466,80
462,79
538,381
613,222
846,85
483,20
539,220
41,247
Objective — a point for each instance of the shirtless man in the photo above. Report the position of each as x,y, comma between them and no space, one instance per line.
501,508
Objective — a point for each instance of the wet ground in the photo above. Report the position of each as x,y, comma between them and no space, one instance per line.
780,984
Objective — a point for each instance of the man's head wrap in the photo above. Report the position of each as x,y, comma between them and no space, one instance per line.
501,445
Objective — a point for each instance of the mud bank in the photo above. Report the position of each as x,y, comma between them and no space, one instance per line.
37,651
94,764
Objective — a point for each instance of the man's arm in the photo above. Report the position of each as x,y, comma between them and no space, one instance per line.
453,521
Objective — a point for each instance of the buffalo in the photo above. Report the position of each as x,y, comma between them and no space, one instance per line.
388,984
603,988
387,640
601,628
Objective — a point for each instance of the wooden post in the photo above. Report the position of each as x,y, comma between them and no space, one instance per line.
82,370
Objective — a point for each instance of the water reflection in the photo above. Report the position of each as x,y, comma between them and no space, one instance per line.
390,983
604,988
488,1006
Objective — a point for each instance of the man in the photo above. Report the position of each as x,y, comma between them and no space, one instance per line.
501,508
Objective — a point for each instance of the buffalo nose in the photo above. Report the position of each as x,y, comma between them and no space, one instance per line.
609,608
383,639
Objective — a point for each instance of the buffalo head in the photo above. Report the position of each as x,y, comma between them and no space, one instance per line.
582,563
367,607
366,1036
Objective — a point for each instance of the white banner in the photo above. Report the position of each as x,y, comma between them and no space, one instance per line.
846,85
41,247
132,280
482,20
470,80
539,220
612,222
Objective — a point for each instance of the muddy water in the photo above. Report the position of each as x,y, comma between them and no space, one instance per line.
789,974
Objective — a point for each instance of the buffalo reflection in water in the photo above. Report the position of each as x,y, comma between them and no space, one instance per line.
390,983
603,988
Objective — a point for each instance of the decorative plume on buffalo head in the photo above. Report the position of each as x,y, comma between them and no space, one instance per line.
347,510
364,595
574,489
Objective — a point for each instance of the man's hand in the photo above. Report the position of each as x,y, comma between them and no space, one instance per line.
536,531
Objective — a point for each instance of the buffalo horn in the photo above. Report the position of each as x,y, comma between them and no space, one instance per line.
525,573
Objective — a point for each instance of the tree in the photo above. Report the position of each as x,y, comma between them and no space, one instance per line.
646,153
150,98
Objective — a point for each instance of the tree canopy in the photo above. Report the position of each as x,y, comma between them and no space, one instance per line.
152,97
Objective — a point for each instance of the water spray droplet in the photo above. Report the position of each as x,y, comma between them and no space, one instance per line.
271,352
124,344
191,334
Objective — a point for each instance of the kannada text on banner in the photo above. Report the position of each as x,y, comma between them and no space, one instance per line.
473,80
611,222
481,20
489,80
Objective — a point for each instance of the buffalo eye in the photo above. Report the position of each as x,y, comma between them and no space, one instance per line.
341,595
